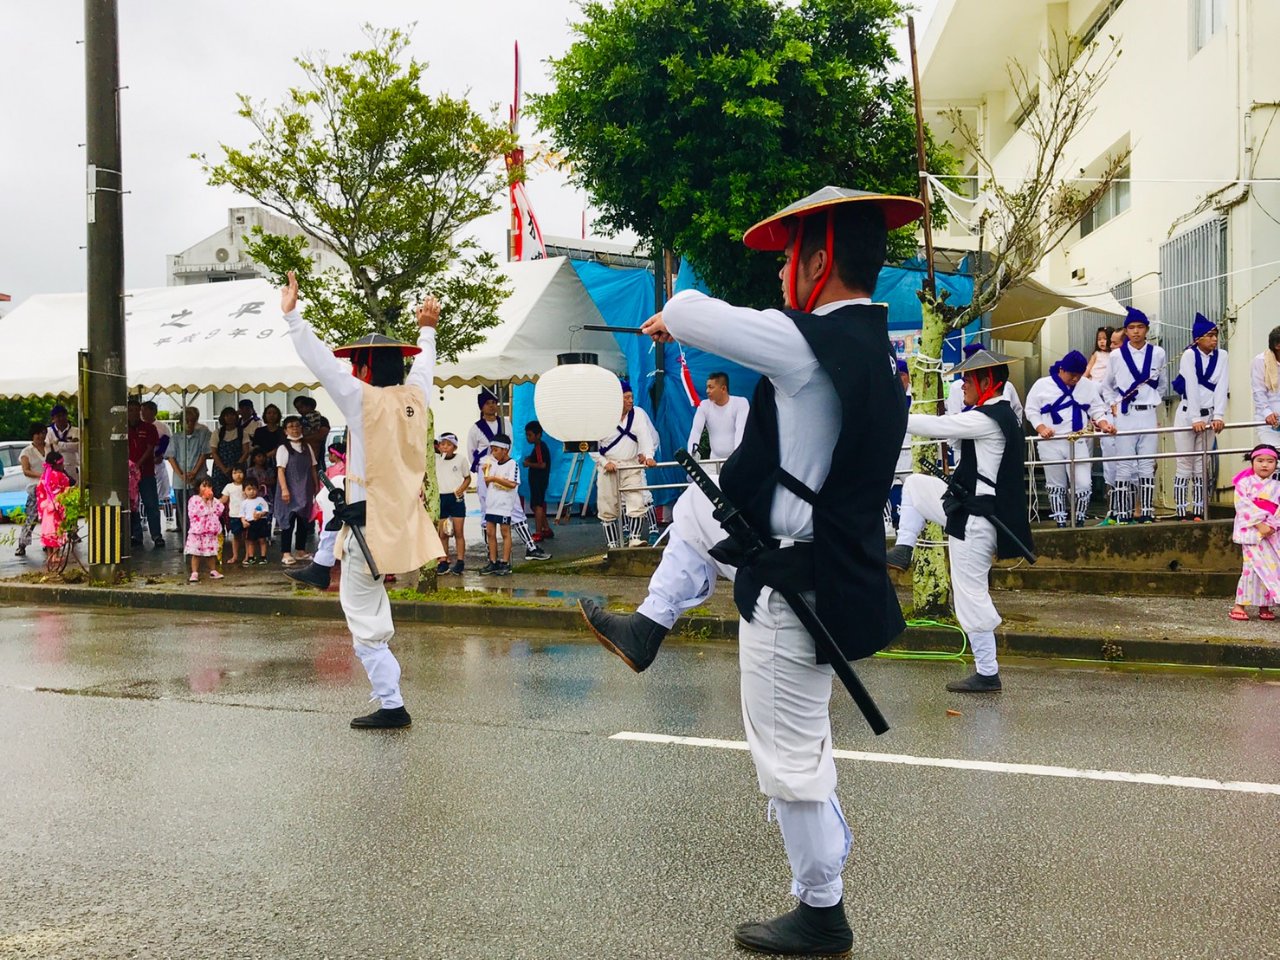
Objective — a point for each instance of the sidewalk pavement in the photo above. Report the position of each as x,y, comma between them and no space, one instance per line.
1182,630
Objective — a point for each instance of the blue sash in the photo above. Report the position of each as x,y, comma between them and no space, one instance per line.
1139,378
1067,400
489,434
624,431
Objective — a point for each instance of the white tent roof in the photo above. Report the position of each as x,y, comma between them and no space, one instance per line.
209,336
1023,309
548,299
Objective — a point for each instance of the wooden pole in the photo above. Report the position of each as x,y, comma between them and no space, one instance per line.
930,280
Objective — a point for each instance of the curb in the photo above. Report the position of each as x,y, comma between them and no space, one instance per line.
1198,653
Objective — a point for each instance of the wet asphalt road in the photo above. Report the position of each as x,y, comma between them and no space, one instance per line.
177,786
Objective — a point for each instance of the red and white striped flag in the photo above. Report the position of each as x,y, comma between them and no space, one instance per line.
686,380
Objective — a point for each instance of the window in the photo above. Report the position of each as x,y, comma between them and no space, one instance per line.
1027,108
1099,22
1208,17
1113,203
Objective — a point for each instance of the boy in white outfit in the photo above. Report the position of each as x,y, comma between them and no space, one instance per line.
1202,383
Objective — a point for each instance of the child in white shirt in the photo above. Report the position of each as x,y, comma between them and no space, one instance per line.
232,497
502,477
255,515
453,478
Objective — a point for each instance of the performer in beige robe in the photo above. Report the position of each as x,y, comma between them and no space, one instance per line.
387,448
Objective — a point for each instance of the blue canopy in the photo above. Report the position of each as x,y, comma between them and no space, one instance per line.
625,298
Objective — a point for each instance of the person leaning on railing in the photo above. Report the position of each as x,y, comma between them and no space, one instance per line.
1264,377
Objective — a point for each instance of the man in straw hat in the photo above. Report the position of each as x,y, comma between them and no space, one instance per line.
812,475
987,482
386,460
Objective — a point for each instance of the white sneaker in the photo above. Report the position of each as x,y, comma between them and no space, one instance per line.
637,542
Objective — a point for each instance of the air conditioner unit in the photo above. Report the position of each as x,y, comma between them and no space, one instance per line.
222,255
1078,274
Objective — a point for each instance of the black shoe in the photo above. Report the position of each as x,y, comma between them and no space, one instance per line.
976,684
488,570
442,568
805,931
536,553
503,570
1061,524
383,719
313,575
633,637
457,568
899,557
158,542
21,551
1080,522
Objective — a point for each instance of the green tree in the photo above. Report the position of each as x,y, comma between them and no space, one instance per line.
18,413
687,122
361,158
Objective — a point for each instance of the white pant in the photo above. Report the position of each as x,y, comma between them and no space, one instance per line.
1055,475
607,484
1107,446
1143,446
368,612
970,561
785,702
1269,435
324,548
1189,442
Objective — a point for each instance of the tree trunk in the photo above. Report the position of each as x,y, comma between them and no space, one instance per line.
430,490
930,583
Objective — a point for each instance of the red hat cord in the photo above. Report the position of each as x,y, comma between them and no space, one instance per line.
985,393
794,267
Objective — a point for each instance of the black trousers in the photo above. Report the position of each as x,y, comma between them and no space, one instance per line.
148,504
296,528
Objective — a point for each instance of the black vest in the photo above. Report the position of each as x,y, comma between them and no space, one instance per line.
1010,500
845,564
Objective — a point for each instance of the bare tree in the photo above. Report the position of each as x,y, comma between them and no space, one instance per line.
1021,222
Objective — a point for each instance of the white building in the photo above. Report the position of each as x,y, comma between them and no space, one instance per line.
1195,95
220,256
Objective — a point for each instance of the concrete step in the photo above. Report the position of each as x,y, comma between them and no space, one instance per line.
1110,581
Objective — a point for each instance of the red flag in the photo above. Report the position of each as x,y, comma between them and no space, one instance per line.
524,225
686,380
5,298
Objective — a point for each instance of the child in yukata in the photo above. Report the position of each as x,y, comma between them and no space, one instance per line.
1257,497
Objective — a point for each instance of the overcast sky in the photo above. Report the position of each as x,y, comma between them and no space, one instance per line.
183,64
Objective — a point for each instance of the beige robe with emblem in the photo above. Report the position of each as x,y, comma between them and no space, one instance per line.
398,529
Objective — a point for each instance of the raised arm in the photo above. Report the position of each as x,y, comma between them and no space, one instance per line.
423,371
333,374
763,340
969,425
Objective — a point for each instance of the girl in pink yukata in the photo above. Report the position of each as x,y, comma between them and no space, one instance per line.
205,513
53,481
1257,498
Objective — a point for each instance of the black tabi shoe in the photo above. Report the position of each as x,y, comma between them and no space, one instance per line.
805,931
1061,524
383,719
313,575
976,684
899,557
633,637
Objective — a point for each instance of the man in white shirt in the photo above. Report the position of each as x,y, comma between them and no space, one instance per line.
1062,403
1202,383
987,482
65,438
1264,380
630,445
722,415
1132,388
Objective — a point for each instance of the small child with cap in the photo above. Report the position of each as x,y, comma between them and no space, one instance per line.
502,477
453,477
1257,498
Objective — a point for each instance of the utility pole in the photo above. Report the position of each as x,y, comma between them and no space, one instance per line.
103,411
920,157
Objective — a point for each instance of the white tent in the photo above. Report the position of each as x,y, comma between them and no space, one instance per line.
1023,309
203,337
538,321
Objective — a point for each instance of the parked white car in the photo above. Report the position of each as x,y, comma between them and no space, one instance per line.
13,480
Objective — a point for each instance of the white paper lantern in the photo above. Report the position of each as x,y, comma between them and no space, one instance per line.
578,402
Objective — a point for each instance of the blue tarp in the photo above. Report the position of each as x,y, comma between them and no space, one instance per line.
625,298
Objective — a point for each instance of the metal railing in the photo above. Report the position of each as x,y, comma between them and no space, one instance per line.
712,464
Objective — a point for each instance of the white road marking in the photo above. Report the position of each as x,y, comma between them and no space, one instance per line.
986,766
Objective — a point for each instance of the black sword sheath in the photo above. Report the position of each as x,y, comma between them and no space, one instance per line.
950,480
752,544
339,500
